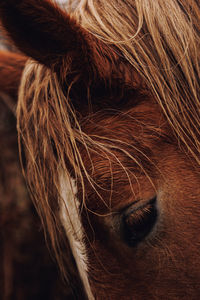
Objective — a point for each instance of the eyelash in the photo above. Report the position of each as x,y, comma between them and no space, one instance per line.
136,224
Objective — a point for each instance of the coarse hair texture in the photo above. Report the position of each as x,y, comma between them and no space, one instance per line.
160,39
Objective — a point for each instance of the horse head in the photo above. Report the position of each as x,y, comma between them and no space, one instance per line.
108,116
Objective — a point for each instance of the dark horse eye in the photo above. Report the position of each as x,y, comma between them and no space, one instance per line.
138,223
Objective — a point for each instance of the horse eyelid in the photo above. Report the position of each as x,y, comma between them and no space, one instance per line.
137,224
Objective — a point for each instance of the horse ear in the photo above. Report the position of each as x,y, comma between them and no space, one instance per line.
44,32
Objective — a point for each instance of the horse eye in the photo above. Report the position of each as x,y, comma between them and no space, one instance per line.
138,223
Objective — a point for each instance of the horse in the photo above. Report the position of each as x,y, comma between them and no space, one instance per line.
108,122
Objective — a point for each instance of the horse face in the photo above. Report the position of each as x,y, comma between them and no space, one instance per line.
141,214
142,217
131,210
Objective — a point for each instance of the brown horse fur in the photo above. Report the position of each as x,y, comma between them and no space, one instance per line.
112,100
11,66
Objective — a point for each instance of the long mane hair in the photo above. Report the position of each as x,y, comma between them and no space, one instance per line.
161,41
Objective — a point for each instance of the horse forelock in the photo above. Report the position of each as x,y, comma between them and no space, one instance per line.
163,47
58,146
51,135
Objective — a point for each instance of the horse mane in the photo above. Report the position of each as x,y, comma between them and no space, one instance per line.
158,39
161,41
